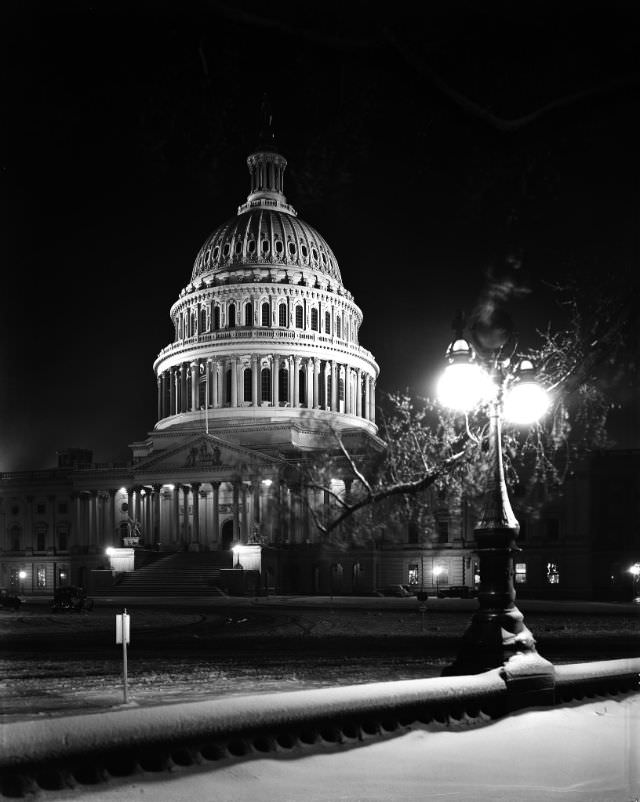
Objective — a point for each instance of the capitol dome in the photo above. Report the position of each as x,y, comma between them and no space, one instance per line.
265,333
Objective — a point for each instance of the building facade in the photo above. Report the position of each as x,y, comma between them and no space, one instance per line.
265,364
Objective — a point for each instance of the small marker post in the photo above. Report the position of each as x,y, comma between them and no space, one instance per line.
122,636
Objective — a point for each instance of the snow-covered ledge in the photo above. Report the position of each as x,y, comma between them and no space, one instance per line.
58,753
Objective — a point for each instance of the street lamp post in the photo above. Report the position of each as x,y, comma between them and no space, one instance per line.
22,576
497,632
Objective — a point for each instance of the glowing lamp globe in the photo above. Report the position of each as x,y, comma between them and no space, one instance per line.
463,384
525,402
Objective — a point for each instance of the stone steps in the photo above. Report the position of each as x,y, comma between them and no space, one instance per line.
180,574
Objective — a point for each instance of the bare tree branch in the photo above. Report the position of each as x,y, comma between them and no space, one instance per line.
482,113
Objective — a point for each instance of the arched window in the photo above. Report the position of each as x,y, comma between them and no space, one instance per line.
265,384
216,318
179,328
338,326
302,388
314,319
299,317
247,384
283,385
203,320
266,315
227,387
327,322
232,316
194,324
282,316
248,314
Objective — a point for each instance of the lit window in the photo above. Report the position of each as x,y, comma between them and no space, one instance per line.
553,575
521,573
41,577
414,574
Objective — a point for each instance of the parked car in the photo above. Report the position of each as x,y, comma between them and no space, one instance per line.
10,600
395,590
71,597
456,591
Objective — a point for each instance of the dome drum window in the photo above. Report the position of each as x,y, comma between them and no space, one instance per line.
299,317
265,315
282,316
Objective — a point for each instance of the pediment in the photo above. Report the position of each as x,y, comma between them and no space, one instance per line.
204,453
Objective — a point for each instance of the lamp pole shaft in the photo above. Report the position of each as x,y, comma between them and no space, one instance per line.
497,630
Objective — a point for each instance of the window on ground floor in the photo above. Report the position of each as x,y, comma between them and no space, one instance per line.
265,384
41,577
521,573
414,574
553,574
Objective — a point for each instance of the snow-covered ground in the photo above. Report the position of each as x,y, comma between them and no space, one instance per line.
574,753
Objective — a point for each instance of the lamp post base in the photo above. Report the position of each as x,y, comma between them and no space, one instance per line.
500,639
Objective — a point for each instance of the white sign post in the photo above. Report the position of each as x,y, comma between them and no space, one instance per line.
123,637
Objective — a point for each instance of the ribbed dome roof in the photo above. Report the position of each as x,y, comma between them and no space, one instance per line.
263,237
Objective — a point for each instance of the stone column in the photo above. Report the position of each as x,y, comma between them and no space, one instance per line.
110,519
325,380
372,417
185,514
292,381
234,381
215,383
176,514
194,386
359,392
275,379
216,513
296,381
367,397
245,522
209,379
157,489
195,529
130,504
316,383
159,383
236,512
308,374
172,391
254,380
334,386
183,387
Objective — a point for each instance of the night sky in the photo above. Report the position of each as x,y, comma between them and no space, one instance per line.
128,130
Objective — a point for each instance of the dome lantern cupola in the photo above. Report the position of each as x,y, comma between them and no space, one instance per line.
266,168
